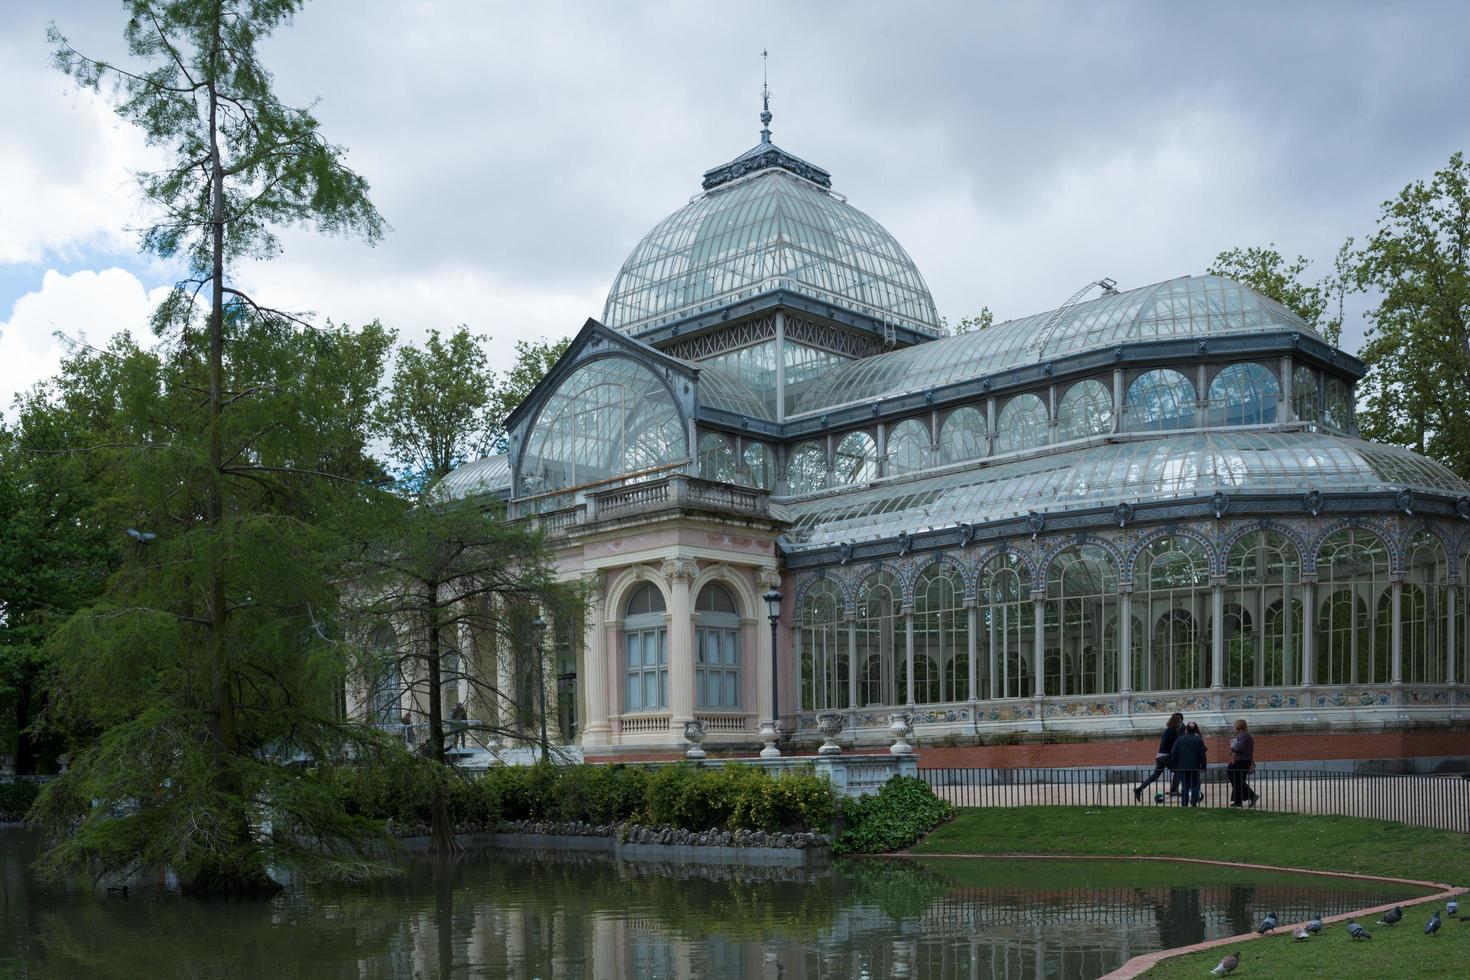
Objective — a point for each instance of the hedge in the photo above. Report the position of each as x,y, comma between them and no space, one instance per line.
16,799
892,819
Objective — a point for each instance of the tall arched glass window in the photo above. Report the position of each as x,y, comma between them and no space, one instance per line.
806,468
716,649
1085,410
716,458
1244,394
645,651
609,417
941,634
1172,589
1081,621
824,660
1007,624
760,465
1352,576
1021,424
1337,407
1160,400
962,435
1263,643
856,460
908,447
882,643
1306,395
1424,611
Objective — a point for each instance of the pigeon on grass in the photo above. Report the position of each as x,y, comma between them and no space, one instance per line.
1432,926
1301,935
1315,926
1452,909
1356,931
1227,965
1268,924
1392,916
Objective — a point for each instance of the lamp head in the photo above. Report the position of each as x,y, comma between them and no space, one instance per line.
773,604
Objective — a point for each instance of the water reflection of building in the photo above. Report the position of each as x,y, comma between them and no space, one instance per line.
1148,500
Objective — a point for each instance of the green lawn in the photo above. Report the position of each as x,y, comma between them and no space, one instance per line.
1283,840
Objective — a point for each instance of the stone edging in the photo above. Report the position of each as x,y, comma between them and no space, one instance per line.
632,842
1147,961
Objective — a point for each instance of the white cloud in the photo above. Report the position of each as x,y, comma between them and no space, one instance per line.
88,306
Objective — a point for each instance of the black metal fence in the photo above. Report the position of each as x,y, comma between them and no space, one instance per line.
1423,801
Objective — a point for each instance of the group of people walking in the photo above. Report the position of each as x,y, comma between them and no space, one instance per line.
1182,751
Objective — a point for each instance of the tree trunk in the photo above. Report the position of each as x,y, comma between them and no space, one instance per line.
25,746
441,829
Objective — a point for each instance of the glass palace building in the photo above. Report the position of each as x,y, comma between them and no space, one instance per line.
1147,500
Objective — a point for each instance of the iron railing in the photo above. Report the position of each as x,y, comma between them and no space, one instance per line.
1439,801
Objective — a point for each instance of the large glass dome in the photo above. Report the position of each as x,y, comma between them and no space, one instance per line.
770,229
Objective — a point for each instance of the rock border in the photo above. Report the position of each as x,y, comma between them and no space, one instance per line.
1147,961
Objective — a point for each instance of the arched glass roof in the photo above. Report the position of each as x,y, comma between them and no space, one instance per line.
481,476
1137,471
770,230
1192,306
724,390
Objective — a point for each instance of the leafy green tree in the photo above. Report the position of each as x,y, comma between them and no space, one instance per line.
533,359
1418,350
1269,273
211,662
984,320
438,414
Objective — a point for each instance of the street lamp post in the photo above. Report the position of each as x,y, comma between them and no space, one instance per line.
773,610
539,627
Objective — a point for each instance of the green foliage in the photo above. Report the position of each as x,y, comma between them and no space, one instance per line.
1267,272
1418,350
738,797
436,414
533,359
984,320
892,819
16,799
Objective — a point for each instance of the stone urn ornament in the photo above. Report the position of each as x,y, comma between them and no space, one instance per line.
770,736
830,724
694,735
900,727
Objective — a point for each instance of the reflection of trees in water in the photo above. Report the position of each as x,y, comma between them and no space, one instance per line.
582,914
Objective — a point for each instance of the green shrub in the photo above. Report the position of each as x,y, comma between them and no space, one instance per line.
599,794
16,798
892,819
739,797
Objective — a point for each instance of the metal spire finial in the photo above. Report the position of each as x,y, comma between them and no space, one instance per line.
765,101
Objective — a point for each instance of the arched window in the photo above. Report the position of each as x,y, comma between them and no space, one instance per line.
1352,576
1021,424
1159,400
962,436
908,447
941,633
716,458
385,696
1007,627
1337,407
610,416
1085,410
1244,394
1306,395
646,651
716,649
881,638
1081,621
824,655
1424,611
856,460
806,468
926,679
1262,578
760,465
1172,590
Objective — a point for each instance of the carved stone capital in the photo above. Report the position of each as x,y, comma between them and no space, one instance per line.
595,582
679,569
767,577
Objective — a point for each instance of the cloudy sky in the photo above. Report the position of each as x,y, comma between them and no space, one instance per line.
520,150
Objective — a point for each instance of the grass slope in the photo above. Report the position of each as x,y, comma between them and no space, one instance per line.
1285,840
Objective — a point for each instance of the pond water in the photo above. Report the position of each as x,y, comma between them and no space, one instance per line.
524,914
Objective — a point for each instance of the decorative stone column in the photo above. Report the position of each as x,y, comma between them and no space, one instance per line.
1396,638
1452,634
679,572
852,666
1038,647
908,645
1309,629
1125,638
594,666
972,614
1217,634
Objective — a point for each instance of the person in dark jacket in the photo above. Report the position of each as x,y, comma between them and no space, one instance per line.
1161,758
1189,761
1242,761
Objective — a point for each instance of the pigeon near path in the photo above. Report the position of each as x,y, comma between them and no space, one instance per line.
1452,909
1392,916
1301,935
1356,931
1227,965
1432,926
1315,926
1268,924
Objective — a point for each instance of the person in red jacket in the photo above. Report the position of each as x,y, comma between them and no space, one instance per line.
1242,761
